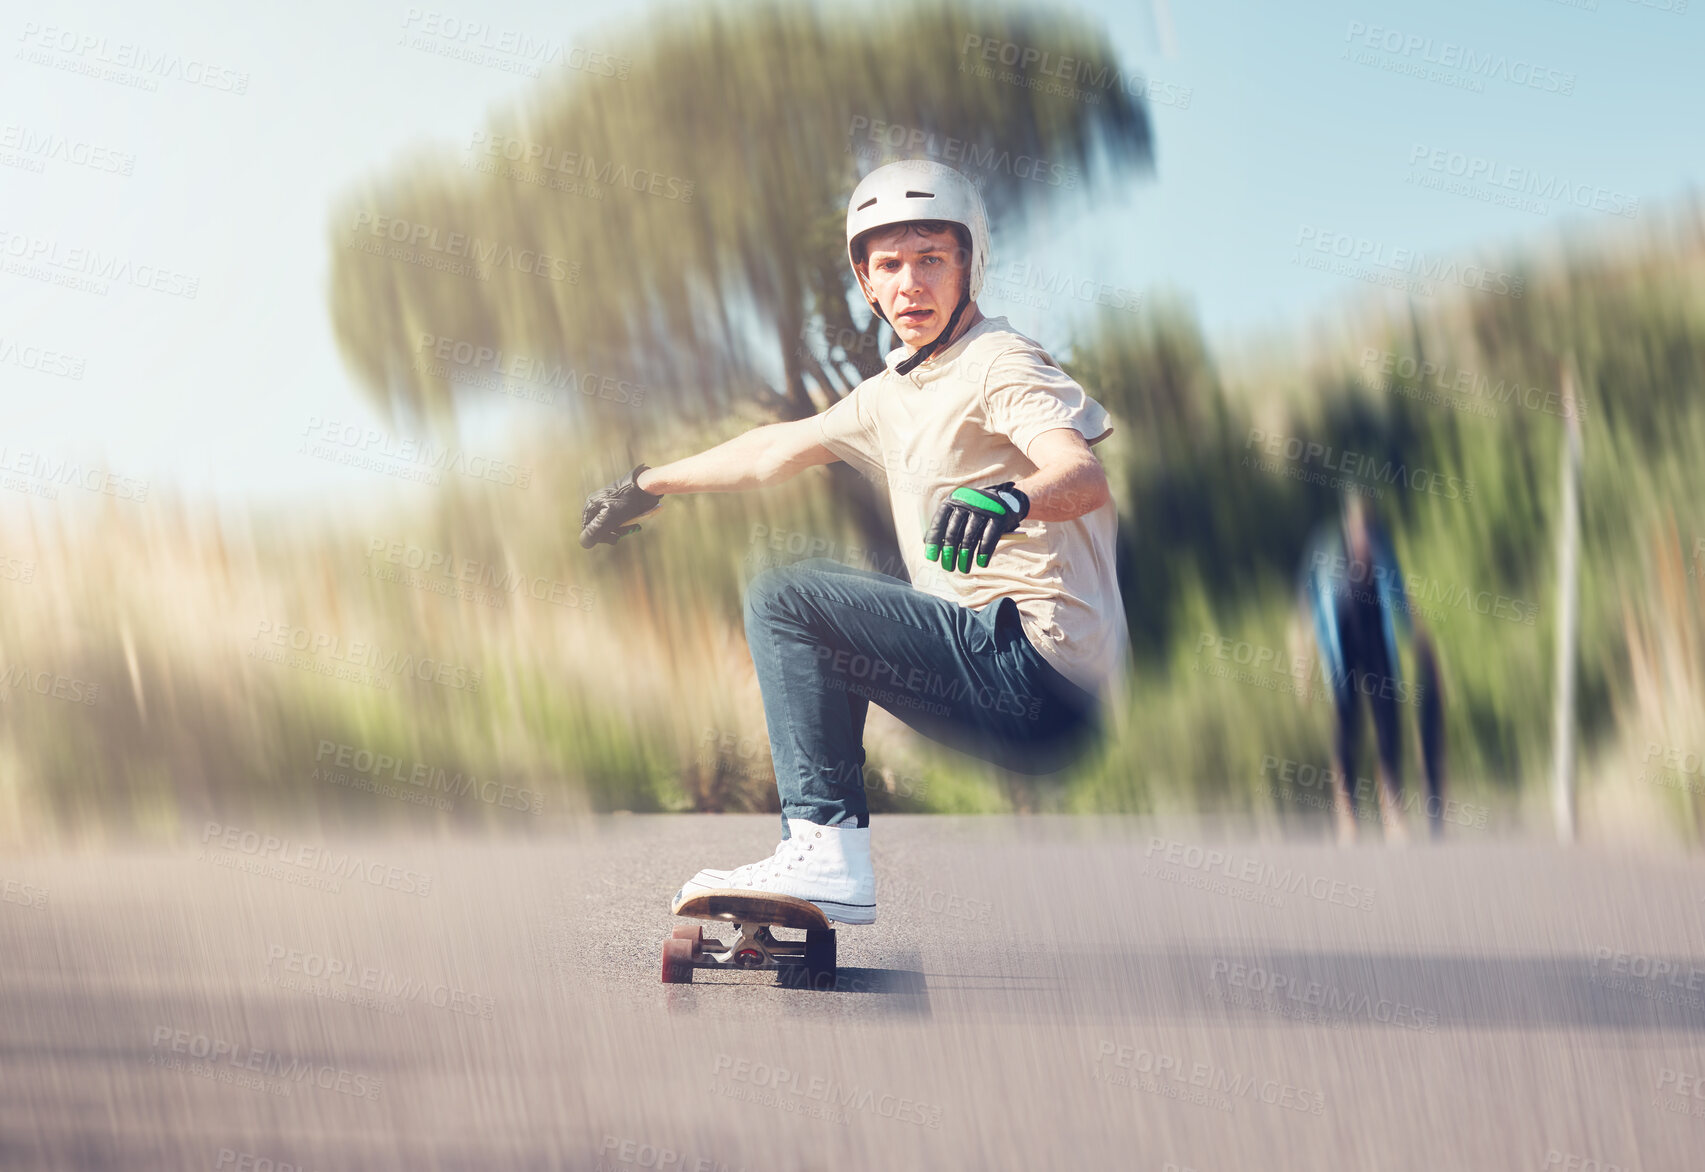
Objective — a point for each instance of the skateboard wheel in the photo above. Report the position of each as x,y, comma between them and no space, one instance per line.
695,934
677,962
819,956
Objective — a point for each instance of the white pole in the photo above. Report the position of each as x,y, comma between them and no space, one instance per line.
1568,553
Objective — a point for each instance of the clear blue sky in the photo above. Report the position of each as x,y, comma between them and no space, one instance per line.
1282,134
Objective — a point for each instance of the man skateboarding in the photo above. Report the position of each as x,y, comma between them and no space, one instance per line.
1011,631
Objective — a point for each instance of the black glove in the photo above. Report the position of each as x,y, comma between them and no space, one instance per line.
972,520
608,511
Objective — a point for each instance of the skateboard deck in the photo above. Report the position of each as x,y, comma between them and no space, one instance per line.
753,914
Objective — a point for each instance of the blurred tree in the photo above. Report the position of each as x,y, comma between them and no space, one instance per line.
695,178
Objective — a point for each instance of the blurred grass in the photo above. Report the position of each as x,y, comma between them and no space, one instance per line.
646,700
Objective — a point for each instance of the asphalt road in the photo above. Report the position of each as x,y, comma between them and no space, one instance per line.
1038,993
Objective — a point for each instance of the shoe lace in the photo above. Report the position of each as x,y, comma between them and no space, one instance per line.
751,873
788,851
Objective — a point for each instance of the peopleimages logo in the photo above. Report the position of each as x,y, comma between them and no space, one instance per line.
1415,53
511,50
1512,182
355,655
1418,590
44,476
504,581
622,1151
517,375
796,544
88,269
1284,774
249,1162
422,239
17,677
911,141
1569,1162
380,767
791,1090
1060,74
1408,263
917,686
379,451
36,148
23,894
579,165
1328,999
1463,383
1354,465
40,360
292,968
107,59
14,569
1035,284
268,1063
1645,967
268,848
1207,1077
1212,862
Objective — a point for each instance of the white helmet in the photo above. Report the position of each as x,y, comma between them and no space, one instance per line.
918,189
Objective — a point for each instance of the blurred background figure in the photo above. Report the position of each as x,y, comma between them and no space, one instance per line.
1351,586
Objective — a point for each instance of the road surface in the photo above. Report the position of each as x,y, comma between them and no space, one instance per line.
1039,993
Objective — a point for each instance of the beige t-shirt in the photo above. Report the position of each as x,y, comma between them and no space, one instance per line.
967,417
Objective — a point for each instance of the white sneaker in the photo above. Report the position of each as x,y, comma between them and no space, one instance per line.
825,865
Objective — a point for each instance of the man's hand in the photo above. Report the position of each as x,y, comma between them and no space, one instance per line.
609,511
970,522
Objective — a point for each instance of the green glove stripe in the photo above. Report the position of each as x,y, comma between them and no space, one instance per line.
981,500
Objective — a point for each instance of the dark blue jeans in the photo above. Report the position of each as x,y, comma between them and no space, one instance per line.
829,640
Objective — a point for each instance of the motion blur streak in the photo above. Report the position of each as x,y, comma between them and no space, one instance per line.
343,793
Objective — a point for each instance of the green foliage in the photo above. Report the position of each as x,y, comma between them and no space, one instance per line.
730,270
1215,542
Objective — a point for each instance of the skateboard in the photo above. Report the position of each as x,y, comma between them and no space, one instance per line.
755,947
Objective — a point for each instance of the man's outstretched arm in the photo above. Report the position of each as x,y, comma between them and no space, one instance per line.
763,456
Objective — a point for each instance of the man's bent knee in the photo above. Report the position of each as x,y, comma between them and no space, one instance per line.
775,591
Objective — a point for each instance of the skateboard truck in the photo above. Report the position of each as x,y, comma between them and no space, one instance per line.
755,946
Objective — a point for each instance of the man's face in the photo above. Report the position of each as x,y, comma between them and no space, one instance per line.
917,277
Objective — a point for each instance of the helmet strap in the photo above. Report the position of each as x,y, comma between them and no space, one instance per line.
870,297
928,348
